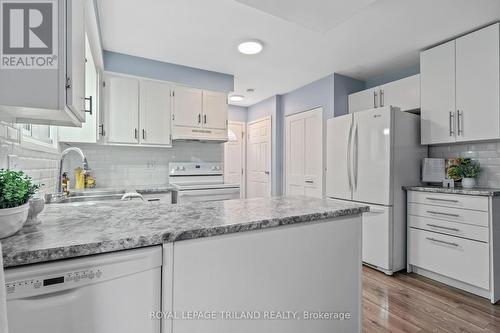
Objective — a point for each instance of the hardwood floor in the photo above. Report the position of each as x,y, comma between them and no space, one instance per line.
412,303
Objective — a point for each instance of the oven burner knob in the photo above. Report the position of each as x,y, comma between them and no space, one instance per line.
183,168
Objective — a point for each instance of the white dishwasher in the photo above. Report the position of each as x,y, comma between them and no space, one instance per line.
106,293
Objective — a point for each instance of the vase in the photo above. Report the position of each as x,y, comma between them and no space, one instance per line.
468,182
13,219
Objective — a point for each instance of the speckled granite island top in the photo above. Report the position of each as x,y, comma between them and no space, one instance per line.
488,192
73,230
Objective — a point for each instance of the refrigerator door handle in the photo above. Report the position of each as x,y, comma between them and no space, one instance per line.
356,142
348,153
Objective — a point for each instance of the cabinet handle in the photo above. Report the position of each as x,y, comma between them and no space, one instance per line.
441,227
381,98
143,134
89,111
266,172
199,118
445,214
375,99
452,124
204,118
441,241
460,115
439,199
101,130
135,133
309,182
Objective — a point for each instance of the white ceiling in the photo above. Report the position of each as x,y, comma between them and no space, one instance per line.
364,38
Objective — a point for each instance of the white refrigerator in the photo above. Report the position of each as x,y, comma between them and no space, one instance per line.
371,154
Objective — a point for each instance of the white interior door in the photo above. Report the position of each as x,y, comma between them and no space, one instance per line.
234,156
304,154
259,158
215,109
121,95
338,159
155,113
372,132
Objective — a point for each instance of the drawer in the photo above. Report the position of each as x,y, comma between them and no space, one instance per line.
460,259
475,217
450,228
449,200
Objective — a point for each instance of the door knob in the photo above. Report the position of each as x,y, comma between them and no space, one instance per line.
266,172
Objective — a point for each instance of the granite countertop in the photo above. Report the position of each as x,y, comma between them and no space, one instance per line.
489,192
73,230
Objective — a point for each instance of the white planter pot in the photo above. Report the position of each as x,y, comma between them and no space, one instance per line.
13,219
468,182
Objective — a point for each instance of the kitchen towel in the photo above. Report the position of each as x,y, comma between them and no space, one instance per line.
3,304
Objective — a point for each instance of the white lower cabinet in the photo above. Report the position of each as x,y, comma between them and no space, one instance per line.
452,239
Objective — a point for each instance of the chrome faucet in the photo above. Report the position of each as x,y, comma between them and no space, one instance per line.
85,165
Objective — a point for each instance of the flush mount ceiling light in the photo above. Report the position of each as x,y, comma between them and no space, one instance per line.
250,47
236,98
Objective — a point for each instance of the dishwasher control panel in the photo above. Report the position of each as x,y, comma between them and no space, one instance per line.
38,283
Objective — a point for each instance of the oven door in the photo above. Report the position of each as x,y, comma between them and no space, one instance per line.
207,195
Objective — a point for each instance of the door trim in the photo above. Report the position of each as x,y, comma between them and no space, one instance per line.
323,124
271,175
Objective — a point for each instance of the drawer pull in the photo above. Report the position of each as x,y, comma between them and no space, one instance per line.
439,199
441,227
441,241
445,214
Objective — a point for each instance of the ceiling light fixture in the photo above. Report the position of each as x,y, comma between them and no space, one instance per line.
250,47
236,98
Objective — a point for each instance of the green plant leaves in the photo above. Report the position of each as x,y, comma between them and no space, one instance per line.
16,188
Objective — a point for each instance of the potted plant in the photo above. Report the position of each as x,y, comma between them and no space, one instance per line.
465,169
16,189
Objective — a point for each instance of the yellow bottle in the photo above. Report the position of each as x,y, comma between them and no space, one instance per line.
79,179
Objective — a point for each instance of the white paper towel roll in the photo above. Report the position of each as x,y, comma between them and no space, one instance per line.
3,305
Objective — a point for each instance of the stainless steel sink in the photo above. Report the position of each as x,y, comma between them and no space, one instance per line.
85,196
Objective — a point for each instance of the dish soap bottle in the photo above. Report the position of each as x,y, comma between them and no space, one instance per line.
65,183
79,179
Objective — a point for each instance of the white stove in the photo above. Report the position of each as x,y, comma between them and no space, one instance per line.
195,182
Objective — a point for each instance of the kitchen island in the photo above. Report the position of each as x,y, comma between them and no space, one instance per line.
267,264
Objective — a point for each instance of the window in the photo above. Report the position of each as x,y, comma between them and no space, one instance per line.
39,137
38,132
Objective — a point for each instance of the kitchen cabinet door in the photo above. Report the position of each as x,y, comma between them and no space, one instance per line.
437,67
88,132
187,107
215,110
478,85
155,113
75,57
364,100
121,97
404,93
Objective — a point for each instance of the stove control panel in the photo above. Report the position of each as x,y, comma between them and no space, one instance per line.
195,169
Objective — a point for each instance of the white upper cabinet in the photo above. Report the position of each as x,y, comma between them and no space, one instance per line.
155,113
188,105
364,100
199,114
215,110
461,89
137,111
88,133
478,85
404,94
54,93
437,113
121,97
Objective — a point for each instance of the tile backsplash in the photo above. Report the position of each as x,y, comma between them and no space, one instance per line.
486,153
40,165
121,166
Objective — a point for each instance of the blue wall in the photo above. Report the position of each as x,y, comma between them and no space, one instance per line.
194,77
393,76
344,86
238,113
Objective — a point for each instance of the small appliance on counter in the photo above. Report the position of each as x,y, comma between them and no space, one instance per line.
433,170
193,182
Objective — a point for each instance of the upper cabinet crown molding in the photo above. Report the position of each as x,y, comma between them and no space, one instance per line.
53,96
403,93
461,88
